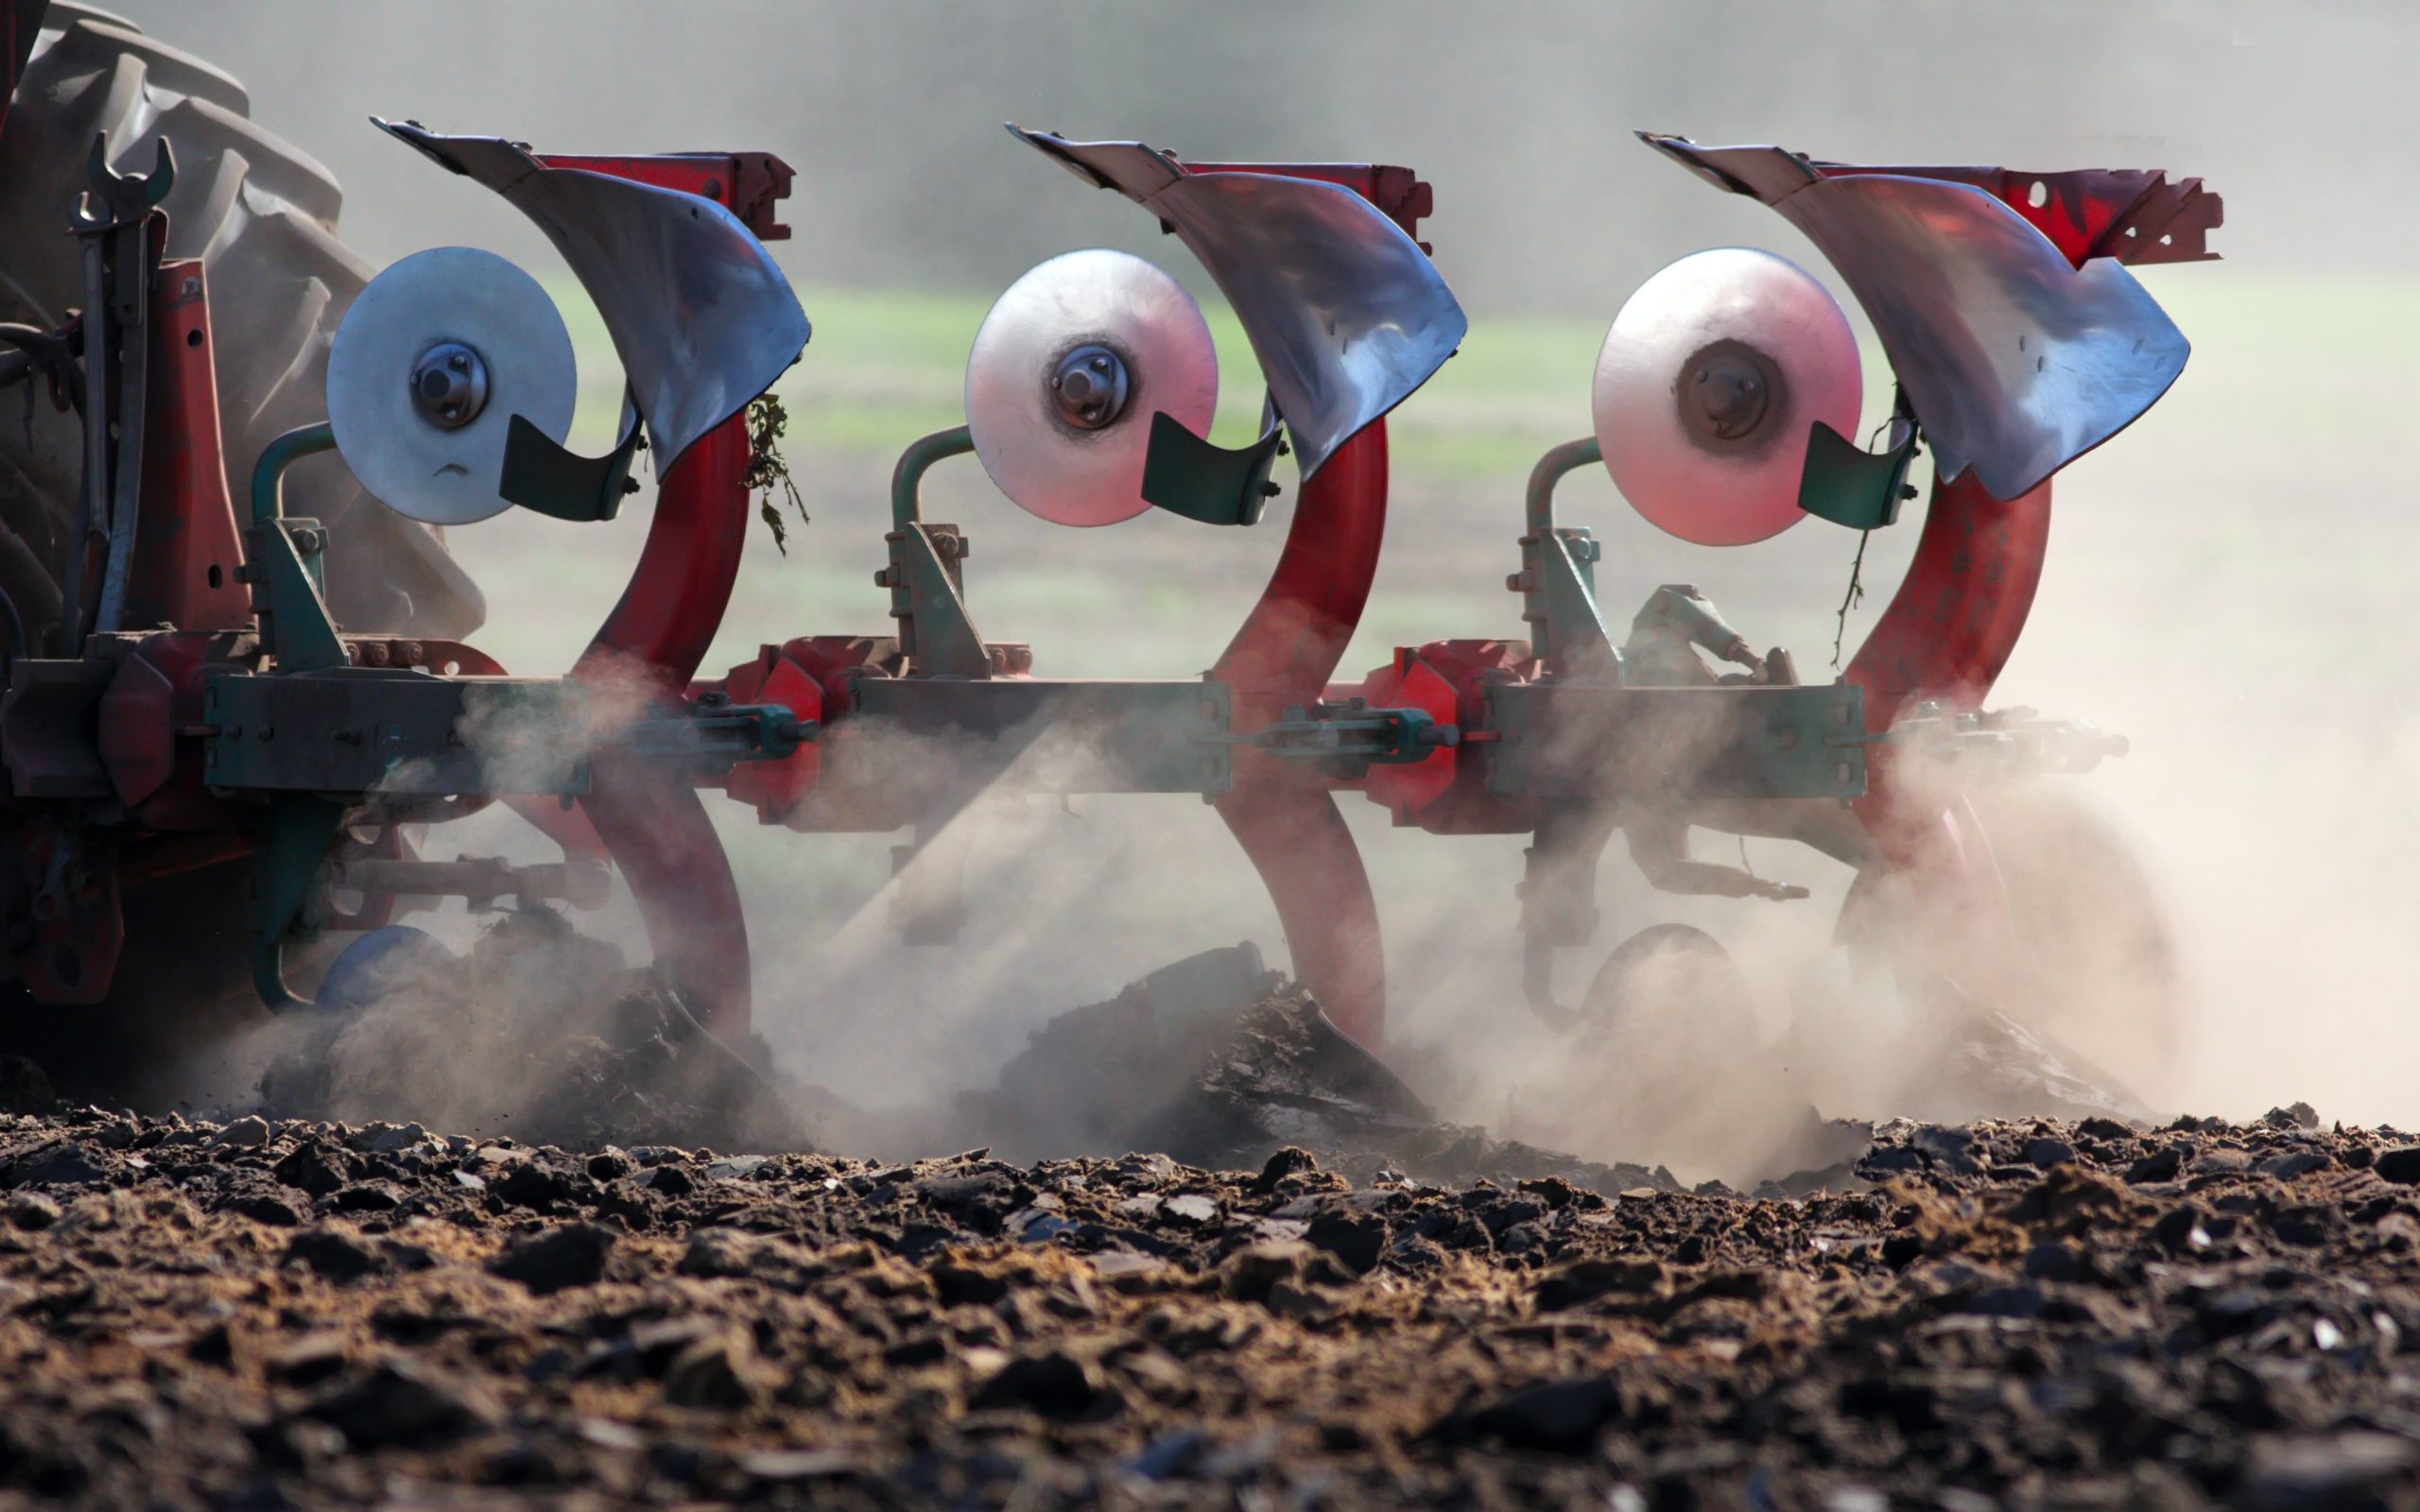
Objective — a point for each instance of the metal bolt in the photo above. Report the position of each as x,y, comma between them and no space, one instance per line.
449,384
1090,386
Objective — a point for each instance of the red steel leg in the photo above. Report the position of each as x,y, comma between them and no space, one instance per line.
1945,636
648,649
1288,649
1299,843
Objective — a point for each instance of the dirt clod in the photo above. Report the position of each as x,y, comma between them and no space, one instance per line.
1992,1323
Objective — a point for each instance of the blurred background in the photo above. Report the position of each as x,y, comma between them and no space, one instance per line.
2227,583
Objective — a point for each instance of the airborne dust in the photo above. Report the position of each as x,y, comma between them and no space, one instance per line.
2227,581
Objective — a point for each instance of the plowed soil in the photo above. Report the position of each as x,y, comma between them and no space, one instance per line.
289,1314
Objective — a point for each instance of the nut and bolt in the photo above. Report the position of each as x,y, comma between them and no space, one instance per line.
449,385
1090,384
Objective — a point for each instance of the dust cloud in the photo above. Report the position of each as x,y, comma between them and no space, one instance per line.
2218,921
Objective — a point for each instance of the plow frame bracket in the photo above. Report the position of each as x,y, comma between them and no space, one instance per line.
1133,737
1600,742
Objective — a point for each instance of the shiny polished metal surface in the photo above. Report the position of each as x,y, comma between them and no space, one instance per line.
445,302
1344,312
2016,361
1083,464
701,318
1707,385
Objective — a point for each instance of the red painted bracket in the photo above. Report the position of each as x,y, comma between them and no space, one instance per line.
746,183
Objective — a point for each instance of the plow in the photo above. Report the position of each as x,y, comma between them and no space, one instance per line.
203,678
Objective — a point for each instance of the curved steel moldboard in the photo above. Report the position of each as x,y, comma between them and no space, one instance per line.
2016,361
1345,312
701,318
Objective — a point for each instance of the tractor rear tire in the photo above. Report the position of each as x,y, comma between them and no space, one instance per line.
262,217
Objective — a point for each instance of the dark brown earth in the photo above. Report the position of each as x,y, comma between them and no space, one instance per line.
265,1314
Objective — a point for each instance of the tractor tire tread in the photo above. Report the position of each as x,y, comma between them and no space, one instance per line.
260,215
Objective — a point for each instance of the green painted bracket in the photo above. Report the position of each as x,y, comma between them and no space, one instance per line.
947,643
1850,486
1598,742
287,592
935,629
557,482
1576,638
1558,578
908,477
1219,486
287,858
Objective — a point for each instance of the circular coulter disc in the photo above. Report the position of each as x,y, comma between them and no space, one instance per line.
1708,384
431,364
1065,377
